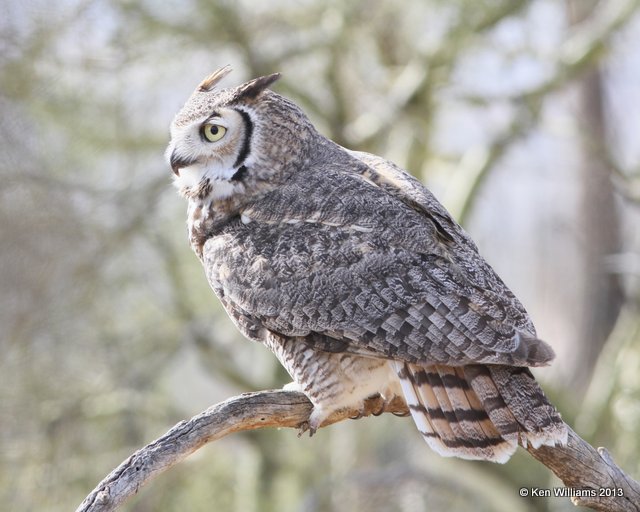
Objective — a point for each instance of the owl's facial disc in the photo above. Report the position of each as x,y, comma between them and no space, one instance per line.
210,157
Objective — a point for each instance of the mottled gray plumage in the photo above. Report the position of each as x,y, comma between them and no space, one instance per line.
355,276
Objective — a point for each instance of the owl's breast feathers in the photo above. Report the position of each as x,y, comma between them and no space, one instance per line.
358,257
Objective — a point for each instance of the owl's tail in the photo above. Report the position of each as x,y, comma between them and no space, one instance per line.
479,412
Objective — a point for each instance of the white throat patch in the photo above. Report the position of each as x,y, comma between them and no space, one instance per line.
189,177
219,178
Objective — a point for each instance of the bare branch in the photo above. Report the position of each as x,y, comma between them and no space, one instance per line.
581,467
578,464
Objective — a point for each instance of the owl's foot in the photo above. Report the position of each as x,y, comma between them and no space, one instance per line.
317,418
314,421
304,427
374,405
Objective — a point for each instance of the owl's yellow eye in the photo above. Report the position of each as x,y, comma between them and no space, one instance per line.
213,132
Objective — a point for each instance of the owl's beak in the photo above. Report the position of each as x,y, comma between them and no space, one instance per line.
177,162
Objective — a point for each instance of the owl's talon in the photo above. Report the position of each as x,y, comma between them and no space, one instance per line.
316,419
380,402
303,427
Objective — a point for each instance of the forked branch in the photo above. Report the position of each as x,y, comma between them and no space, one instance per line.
578,464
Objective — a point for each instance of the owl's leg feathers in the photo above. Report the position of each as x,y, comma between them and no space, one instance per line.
335,381
473,412
293,386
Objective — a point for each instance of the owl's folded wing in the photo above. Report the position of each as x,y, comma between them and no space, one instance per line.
410,286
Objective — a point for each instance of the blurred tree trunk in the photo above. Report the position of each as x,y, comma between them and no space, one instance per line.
599,218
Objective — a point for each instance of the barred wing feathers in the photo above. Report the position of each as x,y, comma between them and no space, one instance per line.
390,275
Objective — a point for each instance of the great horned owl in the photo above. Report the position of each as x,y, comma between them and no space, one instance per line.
355,276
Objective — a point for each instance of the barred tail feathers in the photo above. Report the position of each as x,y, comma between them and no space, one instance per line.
479,412
511,393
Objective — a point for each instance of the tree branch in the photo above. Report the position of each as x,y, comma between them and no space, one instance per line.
578,464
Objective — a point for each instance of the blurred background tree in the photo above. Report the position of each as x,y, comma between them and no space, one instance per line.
521,116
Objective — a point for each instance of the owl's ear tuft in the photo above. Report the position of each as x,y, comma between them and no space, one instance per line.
211,81
252,88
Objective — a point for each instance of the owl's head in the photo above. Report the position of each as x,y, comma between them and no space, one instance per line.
231,141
